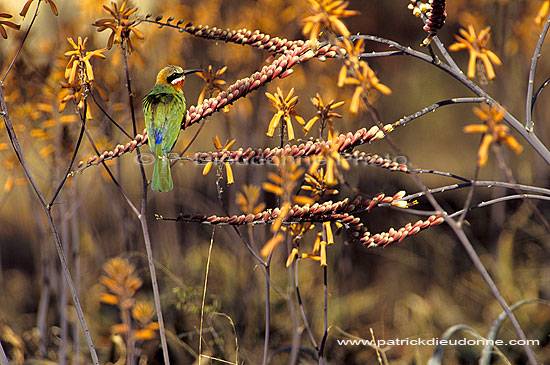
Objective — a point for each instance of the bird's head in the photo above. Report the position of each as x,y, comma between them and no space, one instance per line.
174,76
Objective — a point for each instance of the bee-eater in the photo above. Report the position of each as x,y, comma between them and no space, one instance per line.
164,109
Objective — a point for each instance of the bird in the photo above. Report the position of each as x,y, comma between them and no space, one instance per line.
164,110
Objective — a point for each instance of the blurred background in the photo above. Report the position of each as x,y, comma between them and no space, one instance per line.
414,289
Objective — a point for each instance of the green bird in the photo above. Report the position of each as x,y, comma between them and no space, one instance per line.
164,109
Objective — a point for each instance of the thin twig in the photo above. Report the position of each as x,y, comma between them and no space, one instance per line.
3,357
109,117
529,102
76,270
434,106
267,314
204,291
500,200
77,146
504,167
62,302
537,93
325,315
193,139
470,195
301,305
295,347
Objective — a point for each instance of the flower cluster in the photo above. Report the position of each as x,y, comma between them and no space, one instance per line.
326,14
340,212
493,131
248,200
79,74
120,24
122,283
325,113
212,80
358,73
228,169
435,16
251,155
475,44
285,109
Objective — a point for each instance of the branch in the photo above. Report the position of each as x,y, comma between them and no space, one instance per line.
257,155
529,100
403,121
531,138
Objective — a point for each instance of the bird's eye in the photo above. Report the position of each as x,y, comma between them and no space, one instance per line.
175,77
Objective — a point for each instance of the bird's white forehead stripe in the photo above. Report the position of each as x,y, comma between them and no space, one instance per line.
178,80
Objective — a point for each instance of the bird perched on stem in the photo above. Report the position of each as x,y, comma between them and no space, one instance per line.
164,109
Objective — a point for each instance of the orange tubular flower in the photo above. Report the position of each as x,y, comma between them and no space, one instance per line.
493,130
325,114
327,14
475,44
120,25
248,202
360,74
213,81
285,109
228,169
79,74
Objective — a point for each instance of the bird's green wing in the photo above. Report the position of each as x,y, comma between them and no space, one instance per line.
174,109
148,103
164,111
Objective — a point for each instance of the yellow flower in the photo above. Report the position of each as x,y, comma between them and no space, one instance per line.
213,81
353,53
328,231
228,169
291,257
284,183
543,12
316,182
323,253
121,280
79,73
333,159
271,244
324,114
143,312
285,109
493,130
79,57
120,25
358,73
475,44
248,202
327,14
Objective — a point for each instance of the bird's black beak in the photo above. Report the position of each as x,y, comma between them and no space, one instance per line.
191,71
